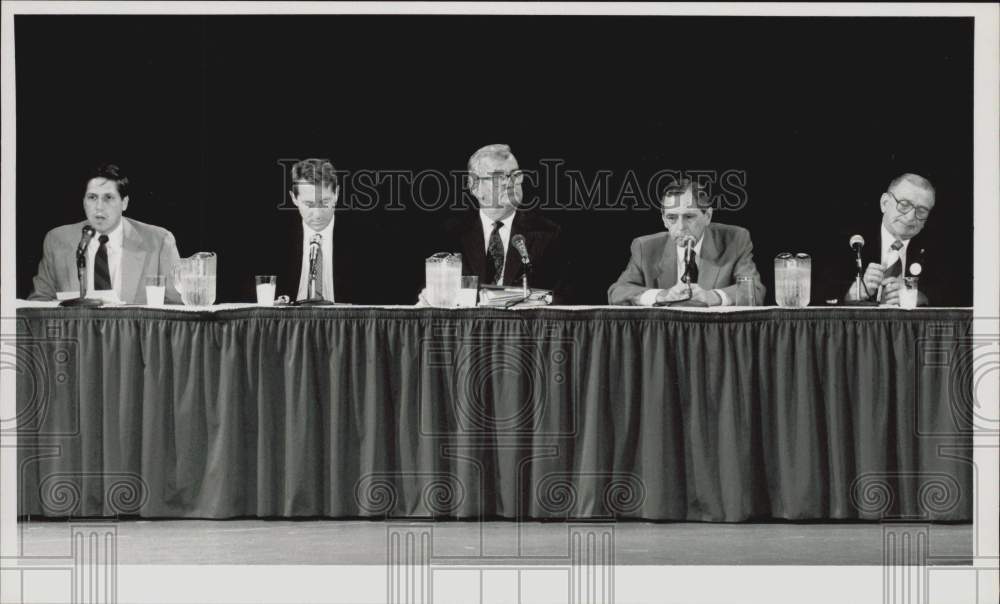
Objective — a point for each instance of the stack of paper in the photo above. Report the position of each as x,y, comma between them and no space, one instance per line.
507,297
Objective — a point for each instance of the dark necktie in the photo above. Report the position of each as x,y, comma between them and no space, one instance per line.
691,269
495,251
102,276
896,268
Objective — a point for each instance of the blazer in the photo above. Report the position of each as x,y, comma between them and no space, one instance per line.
550,265
146,250
726,254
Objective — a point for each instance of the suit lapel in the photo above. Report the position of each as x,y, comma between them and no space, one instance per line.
708,260
667,267
474,246
512,265
132,260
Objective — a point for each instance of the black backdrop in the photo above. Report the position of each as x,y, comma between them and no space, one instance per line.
820,113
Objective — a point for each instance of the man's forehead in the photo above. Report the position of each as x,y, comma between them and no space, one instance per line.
101,185
308,189
489,165
677,204
913,193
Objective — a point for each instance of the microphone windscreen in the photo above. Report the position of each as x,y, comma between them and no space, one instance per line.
518,242
857,240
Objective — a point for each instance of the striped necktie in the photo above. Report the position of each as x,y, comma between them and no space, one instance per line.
102,275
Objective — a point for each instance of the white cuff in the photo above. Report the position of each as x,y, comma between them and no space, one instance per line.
722,296
648,297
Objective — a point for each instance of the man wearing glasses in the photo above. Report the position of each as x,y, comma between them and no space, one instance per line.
906,206
484,237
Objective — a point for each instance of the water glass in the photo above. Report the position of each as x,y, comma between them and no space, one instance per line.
266,284
156,287
908,292
792,279
746,289
468,293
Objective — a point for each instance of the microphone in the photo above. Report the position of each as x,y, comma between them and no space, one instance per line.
690,268
857,242
81,250
314,247
518,242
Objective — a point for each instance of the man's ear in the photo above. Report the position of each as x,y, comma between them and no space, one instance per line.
708,214
124,203
295,200
884,201
336,195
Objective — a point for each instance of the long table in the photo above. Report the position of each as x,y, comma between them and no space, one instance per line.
602,413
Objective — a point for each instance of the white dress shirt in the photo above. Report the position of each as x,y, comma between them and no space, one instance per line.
326,253
648,297
888,254
504,237
114,247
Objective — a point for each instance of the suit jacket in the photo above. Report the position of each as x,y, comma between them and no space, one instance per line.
550,264
146,250
726,253
354,271
839,275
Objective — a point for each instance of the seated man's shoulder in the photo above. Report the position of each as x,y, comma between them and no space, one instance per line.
66,233
730,231
150,230
651,239
533,221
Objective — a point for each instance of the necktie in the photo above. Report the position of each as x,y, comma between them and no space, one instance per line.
319,270
102,276
896,268
495,251
692,268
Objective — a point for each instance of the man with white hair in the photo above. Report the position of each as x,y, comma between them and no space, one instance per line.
484,236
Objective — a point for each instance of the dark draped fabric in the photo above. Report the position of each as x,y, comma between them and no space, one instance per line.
604,413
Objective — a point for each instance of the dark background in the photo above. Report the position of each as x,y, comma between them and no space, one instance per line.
820,114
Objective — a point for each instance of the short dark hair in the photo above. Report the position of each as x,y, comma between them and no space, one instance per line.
317,171
678,187
113,173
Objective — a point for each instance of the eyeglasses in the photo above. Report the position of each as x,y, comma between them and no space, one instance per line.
905,206
503,178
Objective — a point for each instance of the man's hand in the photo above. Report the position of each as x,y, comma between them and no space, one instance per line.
890,291
676,293
872,279
707,296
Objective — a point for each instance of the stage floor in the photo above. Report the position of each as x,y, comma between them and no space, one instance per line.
502,543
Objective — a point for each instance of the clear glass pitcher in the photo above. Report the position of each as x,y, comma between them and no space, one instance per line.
792,279
194,279
443,279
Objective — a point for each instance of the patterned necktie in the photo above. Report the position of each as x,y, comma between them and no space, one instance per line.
495,251
102,275
319,270
896,268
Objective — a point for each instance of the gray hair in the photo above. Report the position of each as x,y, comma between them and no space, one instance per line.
497,152
915,180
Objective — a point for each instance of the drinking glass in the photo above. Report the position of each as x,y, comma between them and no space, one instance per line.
908,292
156,287
266,284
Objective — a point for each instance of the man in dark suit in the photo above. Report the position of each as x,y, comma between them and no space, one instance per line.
892,249
484,236
344,244
121,254
658,273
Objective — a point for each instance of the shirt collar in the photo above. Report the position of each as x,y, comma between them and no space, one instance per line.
327,231
488,222
697,245
115,237
888,238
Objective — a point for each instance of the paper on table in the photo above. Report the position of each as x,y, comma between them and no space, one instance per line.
106,295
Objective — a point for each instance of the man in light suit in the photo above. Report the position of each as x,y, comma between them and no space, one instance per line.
121,254
722,254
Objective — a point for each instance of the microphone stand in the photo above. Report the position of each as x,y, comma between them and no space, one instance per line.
314,298
81,274
859,283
